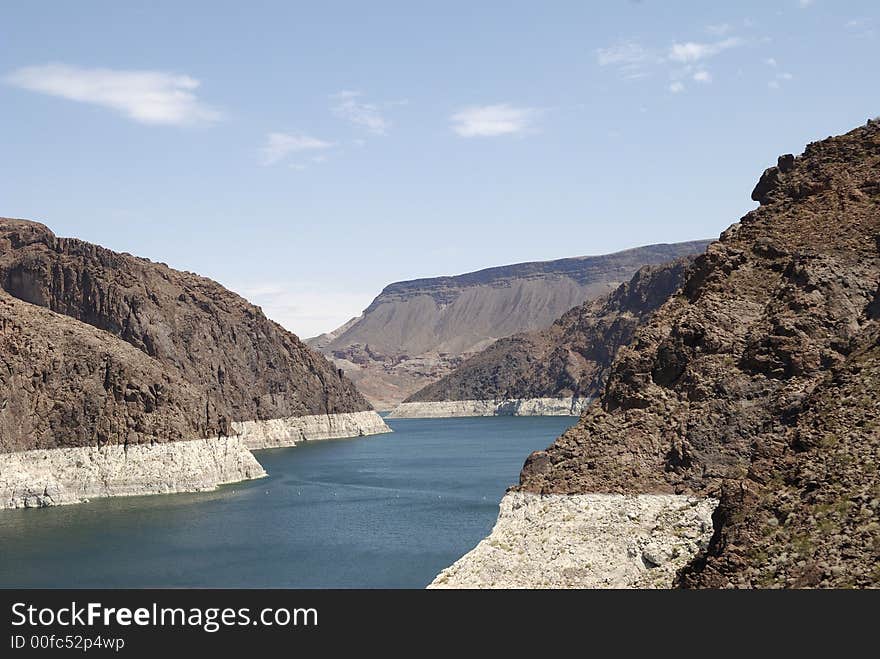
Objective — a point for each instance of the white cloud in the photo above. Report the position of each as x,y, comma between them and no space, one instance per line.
803,4
676,87
785,76
348,106
149,97
306,308
702,76
492,120
623,53
770,61
773,84
692,51
629,57
280,145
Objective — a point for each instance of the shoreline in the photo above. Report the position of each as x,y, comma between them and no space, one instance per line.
60,476
38,478
585,541
290,431
571,406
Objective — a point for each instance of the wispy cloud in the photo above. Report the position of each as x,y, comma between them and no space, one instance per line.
349,106
630,58
803,4
492,120
625,52
693,51
149,97
279,146
682,60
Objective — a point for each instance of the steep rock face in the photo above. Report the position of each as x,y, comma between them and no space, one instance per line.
247,364
65,384
757,383
415,332
809,515
571,358
119,376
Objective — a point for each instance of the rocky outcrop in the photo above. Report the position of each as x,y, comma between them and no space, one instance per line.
120,376
572,357
585,541
277,433
66,384
250,366
756,384
54,477
415,332
496,407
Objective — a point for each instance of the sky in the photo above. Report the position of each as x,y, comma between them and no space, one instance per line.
308,154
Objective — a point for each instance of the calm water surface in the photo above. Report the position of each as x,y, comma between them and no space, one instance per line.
376,512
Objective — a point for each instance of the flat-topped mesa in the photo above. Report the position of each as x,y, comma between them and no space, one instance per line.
249,365
755,384
415,332
566,362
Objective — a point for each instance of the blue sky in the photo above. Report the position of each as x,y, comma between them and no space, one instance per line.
307,154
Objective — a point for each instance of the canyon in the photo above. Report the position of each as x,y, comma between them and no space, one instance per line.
754,385
566,362
415,332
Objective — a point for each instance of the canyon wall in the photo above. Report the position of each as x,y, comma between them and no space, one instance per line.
755,385
415,332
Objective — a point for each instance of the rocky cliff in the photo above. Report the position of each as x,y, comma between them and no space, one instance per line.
415,332
65,384
211,336
757,384
569,359
106,351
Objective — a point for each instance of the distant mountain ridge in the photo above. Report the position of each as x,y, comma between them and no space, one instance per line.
416,331
570,358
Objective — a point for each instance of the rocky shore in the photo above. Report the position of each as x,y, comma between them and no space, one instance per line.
59,476
498,407
278,433
585,541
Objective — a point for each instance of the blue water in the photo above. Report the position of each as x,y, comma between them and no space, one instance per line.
388,511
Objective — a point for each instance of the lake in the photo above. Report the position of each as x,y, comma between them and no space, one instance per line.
387,511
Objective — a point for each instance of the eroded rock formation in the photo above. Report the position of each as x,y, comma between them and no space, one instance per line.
757,384
416,332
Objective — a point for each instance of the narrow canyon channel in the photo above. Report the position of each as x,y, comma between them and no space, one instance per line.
386,511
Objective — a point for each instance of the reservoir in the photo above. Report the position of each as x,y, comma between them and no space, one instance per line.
385,511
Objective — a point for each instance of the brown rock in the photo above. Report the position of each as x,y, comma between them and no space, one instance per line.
570,358
181,356
758,382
